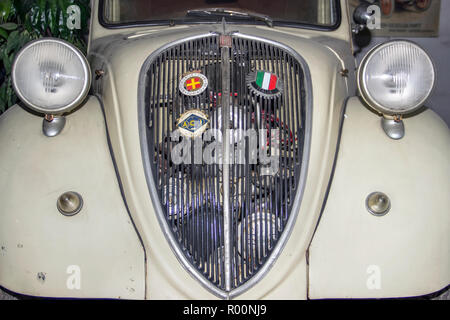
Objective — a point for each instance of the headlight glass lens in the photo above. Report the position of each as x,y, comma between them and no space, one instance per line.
396,77
51,76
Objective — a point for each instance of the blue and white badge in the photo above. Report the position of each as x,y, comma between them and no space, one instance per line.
192,123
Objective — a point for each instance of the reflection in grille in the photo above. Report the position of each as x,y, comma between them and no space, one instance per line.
191,193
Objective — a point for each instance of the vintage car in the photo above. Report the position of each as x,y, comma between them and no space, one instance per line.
223,150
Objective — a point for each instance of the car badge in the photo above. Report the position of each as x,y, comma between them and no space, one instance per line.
193,83
264,84
192,123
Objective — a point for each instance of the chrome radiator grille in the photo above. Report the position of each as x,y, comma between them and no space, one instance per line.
225,218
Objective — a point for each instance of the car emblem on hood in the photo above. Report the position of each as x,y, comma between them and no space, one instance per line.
264,84
192,123
193,83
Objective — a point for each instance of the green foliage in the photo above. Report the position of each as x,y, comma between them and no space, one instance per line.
24,20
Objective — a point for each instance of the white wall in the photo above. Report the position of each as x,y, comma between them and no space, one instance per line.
439,49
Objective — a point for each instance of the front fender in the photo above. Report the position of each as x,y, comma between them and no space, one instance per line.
406,252
42,252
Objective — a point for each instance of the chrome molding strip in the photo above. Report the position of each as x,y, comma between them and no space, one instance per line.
225,166
229,294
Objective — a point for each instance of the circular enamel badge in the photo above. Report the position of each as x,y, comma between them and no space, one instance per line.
193,83
264,84
192,123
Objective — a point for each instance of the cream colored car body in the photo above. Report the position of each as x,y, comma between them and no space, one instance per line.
117,242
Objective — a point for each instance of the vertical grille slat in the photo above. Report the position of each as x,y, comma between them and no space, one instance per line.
200,200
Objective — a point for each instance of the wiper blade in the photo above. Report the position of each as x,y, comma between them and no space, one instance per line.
221,12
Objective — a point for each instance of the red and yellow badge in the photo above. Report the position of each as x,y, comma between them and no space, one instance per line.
193,83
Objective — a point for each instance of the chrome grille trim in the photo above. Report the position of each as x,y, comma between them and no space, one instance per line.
227,292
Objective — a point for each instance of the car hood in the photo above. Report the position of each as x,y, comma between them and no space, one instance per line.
117,62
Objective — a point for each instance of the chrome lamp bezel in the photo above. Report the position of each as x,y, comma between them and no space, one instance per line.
64,109
366,96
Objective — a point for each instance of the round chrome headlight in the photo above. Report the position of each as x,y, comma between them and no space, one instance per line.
396,77
51,76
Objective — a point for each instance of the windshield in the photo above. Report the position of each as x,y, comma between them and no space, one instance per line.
318,13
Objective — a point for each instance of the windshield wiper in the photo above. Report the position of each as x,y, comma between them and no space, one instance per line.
221,12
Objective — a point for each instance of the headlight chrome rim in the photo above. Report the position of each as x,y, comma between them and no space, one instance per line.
367,97
63,109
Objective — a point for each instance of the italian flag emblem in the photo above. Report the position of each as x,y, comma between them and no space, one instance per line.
266,80
264,84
